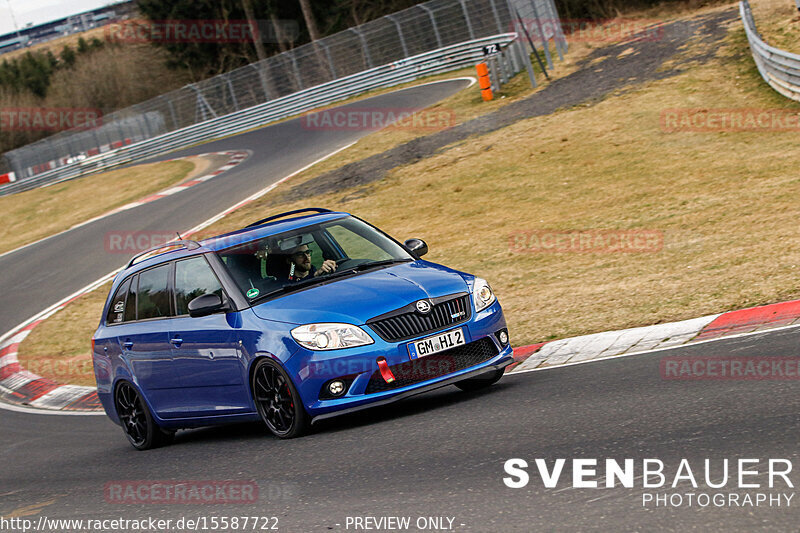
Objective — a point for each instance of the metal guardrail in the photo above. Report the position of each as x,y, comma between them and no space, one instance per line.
442,60
780,69
419,29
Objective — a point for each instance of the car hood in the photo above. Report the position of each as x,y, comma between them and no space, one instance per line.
356,299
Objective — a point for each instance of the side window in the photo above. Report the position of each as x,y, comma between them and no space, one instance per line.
116,312
152,299
193,278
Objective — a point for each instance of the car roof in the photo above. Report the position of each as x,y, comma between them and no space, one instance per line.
241,236
228,240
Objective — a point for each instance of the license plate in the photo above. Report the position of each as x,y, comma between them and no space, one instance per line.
437,343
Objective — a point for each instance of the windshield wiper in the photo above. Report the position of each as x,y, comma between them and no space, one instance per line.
375,264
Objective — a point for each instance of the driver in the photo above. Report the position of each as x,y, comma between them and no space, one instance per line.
300,266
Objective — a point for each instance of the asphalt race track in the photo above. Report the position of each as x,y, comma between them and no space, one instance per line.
436,455
442,454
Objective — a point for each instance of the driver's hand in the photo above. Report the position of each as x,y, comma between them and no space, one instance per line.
326,267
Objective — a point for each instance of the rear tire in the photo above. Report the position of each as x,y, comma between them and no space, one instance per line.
480,382
137,422
278,401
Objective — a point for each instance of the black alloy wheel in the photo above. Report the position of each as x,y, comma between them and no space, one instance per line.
277,401
137,422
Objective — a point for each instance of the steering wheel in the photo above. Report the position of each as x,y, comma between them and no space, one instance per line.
346,262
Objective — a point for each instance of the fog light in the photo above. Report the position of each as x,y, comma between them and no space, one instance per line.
503,337
336,387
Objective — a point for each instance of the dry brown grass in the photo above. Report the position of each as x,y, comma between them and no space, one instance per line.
778,22
32,215
725,203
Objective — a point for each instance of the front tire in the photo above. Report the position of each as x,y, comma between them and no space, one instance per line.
278,401
137,421
481,382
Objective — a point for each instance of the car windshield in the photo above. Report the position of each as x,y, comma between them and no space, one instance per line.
312,254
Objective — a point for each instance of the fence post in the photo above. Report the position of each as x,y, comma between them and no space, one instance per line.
325,47
263,78
496,17
493,74
364,46
400,34
469,22
202,105
233,93
558,31
526,60
543,37
433,22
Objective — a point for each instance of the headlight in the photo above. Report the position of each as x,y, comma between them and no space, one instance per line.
330,336
482,294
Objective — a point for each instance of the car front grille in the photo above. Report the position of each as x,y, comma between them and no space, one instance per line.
407,322
434,366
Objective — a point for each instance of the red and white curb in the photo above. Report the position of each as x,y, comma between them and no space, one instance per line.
648,338
235,157
20,387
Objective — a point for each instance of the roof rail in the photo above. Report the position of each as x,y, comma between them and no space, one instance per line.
287,213
186,243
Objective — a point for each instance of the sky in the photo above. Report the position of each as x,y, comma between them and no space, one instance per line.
39,11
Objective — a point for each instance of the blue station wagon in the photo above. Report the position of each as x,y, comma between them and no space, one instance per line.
294,319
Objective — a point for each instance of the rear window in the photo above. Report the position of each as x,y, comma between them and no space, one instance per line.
116,311
153,293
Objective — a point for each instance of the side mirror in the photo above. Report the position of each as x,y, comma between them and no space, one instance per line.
206,304
417,247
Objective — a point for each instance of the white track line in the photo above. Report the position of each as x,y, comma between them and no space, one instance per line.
677,346
119,209
30,410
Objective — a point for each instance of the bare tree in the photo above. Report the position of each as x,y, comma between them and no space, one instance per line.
311,24
251,19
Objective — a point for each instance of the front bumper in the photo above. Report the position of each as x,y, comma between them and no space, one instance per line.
413,390
359,367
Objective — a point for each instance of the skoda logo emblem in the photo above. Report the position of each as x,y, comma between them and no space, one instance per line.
424,306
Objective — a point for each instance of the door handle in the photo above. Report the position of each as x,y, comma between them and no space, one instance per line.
128,344
177,341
